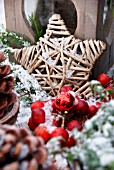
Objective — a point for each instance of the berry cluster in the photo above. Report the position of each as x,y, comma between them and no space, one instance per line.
108,86
68,112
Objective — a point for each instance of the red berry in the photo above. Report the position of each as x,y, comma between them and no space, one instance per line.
60,132
64,101
38,116
66,89
37,104
31,124
42,131
92,110
111,90
75,124
98,104
81,107
70,142
103,79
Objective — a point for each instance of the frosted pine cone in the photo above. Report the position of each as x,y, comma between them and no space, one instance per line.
7,97
19,150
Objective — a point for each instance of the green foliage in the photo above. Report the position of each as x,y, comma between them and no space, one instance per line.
97,89
95,162
32,90
110,167
12,39
38,32
110,3
100,92
70,157
26,99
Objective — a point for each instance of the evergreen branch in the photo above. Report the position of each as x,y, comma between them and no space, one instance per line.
12,39
36,27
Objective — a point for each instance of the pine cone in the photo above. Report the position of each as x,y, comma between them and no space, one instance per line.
2,58
7,97
19,150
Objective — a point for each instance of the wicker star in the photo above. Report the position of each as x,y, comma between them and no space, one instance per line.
60,59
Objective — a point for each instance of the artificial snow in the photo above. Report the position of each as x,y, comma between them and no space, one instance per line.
95,82
106,158
61,162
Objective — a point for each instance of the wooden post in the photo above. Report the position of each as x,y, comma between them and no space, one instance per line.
90,26
87,11
15,18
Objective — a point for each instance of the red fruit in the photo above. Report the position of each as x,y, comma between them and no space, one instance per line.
70,142
37,104
56,123
42,131
31,124
38,116
75,124
111,90
104,79
64,101
81,107
66,89
92,110
60,132
98,104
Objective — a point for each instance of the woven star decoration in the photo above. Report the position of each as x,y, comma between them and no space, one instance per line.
59,58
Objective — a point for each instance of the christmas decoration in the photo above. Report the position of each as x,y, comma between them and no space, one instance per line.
64,101
60,132
23,150
38,116
104,79
9,103
67,110
94,148
74,124
59,59
87,152
42,131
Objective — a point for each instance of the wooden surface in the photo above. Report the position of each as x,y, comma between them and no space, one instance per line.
15,18
105,29
86,18
10,116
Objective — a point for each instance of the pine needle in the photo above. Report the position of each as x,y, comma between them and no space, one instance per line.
35,23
